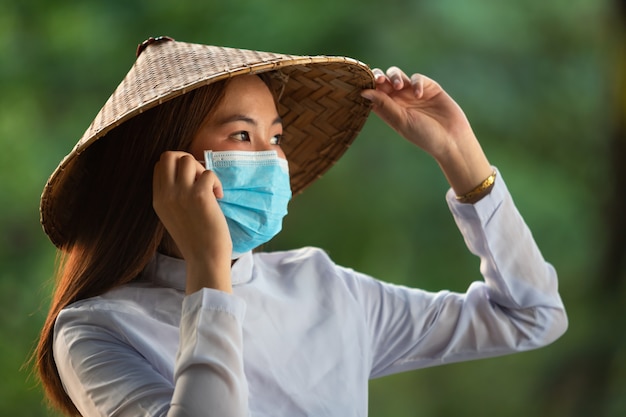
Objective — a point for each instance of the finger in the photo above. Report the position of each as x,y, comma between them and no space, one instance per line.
385,107
382,82
187,169
398,78
379,76
209,180
417,81
164,172
213,180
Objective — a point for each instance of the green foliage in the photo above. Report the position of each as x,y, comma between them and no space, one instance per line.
531,76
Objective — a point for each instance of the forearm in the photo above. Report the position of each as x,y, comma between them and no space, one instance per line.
464,164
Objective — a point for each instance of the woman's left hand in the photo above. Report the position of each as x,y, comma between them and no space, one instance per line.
424,114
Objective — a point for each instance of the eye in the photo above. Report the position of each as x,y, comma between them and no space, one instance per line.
242,136
276,139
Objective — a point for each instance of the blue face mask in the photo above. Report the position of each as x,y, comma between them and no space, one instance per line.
256,193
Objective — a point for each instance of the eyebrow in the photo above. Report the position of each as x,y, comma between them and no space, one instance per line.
246,119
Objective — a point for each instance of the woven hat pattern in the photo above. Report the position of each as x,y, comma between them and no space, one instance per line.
321,108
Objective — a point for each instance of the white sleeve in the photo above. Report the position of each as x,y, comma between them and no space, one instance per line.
209,374
517,307
104,376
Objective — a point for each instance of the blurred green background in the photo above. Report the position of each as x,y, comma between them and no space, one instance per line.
540,81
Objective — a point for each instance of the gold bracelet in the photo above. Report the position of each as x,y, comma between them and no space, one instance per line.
479,192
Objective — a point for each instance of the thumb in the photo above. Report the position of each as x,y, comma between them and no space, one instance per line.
385,107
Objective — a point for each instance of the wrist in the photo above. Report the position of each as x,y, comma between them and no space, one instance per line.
209,272
464,165
478,192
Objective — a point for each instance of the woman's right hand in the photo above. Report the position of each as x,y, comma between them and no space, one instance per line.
185,199
424,114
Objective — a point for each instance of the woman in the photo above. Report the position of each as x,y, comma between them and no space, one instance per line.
162,309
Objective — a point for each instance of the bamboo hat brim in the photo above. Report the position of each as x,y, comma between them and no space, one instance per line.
321,108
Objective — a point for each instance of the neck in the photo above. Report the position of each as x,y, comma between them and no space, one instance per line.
168,247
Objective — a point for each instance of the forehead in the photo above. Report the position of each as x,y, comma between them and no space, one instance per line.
246,105
245,97
247,88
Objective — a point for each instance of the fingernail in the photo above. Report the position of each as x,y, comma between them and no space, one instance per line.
366,94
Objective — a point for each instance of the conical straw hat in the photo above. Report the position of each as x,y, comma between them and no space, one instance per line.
321,108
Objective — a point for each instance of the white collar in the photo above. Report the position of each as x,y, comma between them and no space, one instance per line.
172,272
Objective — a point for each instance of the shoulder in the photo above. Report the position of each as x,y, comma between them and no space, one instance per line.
125,305
310,267
305,257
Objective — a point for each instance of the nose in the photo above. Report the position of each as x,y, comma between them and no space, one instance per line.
267,145
264,145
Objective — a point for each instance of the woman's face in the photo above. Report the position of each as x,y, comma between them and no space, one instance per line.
245,120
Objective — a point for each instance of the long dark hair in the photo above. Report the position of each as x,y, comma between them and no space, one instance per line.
116,231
